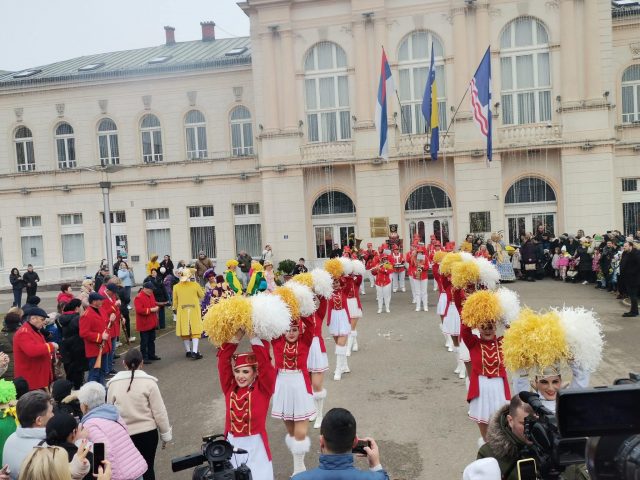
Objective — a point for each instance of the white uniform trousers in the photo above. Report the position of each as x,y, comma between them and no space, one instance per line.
421,293
397,280
383,294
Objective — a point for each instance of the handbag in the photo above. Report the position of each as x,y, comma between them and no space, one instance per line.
529,266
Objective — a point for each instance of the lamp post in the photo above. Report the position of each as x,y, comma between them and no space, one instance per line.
106,187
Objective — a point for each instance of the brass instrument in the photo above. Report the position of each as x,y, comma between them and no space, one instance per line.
356,242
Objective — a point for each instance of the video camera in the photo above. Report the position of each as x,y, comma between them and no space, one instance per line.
217,452
597,427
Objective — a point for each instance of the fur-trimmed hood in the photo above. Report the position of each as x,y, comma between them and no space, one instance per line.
500,438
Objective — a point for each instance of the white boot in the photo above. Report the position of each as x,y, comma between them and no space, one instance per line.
299,450
345,362
448,342
455,350
318,399
337,374
354,334
463,369
417,302
349,343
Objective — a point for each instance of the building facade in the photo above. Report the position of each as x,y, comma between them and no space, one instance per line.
227,144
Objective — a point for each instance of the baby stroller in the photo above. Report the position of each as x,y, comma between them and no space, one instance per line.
572,269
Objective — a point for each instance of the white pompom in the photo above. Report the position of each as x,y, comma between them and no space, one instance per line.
163,270
509,303
489,275
584,336
358,267
304,295
322,282
466,256
347,265
270,315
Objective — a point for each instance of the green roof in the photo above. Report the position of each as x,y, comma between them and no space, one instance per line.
181,56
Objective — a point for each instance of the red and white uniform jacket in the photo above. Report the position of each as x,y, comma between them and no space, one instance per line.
448,290
293,356
370,258
247,407
382,273
486,359
435,268
421,270
411,260
109,306
319,315
397,260
338,301
352,288
32,357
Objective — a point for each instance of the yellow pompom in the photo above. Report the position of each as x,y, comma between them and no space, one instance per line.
223,320
447,262
438,256
534,341
464,273
232,264
290,300
334,267
305,279
481,308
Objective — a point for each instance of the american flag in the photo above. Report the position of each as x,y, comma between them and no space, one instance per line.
481,99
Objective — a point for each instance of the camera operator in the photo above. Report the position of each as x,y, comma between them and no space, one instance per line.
337,439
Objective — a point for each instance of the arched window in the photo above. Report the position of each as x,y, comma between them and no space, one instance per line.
196,131
108,142
427,197
241,132
66,146
530,190
631,94
525,72
24,150
333,203
414,58
151,139
326,87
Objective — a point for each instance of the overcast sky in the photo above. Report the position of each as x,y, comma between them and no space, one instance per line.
38,32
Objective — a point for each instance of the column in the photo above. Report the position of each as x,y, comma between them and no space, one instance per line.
570,87
592,51
288,81
362,87
482,29
269,82
461,57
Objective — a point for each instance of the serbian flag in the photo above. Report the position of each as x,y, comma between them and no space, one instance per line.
430,109
385,88
481,99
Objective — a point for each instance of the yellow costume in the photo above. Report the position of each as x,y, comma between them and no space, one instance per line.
186,302
153,263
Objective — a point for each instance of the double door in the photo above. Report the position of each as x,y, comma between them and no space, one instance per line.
329,235
519,225
424,228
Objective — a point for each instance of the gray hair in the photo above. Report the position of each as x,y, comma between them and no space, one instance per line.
92,394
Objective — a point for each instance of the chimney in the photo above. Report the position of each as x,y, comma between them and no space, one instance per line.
208,31
170,34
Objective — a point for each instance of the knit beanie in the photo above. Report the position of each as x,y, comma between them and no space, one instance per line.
483,469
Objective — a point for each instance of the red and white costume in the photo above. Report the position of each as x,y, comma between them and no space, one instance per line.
352,287
420,279
292,399
451,323
339,323
411,269
397,259
317,360
442,297
370,259
488,385
247,407
382,272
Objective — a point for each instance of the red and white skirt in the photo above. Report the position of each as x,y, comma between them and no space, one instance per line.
340,325
354,310
442,304
491,399
451,322
317,360
291,400
256,457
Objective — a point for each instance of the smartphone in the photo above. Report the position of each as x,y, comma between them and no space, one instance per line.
98,456
527,469
359,448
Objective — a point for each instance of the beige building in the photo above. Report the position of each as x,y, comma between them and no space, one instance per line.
228,144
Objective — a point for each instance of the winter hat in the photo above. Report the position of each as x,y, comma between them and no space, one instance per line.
35,312
60,389
148,285
563,249
483,469
93,296
60,426
112,287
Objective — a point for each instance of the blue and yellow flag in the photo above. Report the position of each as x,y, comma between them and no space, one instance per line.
430,109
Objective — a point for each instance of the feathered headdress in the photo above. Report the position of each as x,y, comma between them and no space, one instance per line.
290,300
466,256
481,308
304,296
347,265
584,337
358,267
534,341
510,304
270,315
303,279
438,256
223,319
322,282
464,274
489,275
447,262
334,267
7,391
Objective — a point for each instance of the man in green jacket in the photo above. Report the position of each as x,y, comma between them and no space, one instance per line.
505,441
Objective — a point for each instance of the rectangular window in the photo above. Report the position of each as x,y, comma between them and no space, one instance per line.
479,222
629,184
116,217
72,248
246,209
71,219
248,237
156,214
26,222
202,211
203,238
631,217
159,242
32,250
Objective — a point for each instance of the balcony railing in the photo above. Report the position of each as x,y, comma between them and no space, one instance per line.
414,145
327,151
529,134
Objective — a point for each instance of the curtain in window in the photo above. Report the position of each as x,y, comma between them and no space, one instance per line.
544,73
628,106
312,127
343,91
157,145
524,71
526,108
248,237
631,216
524,31
506,73
329,127
544,98
405,85
310,93
247,132
345,124
202,139
406,119
203,238
146,146
325,56
73,248
159,242
327,92
191,141
32,250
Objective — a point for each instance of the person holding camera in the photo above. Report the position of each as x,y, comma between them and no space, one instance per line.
247,381
338,442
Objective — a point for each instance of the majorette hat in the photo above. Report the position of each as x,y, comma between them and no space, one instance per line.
395,247
246,359
346,249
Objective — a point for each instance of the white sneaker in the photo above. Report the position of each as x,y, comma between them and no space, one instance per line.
395,290
313,417
418,308
128,307
413,301
318,422
463,370
363,293
379,310
388,311
118,344
585,282
132,339
426,308
404,290
337,375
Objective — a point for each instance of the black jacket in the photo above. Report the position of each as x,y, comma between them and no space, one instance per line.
159,293
17,283
630,269
72,346
30,277
71,451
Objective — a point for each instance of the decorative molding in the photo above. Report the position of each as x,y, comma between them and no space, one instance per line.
192,95
103,105
447,17
635,49
146,101
495,12
348,29
237,92
60,109
19,111
552,4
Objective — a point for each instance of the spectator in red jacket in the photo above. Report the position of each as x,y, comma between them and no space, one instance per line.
94,330
65,295
111,304
147,321
31,352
